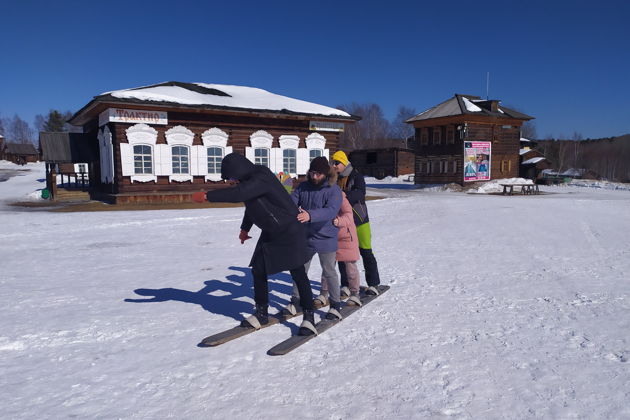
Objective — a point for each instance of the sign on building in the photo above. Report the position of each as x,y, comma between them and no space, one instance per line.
325,126
477,156
132,116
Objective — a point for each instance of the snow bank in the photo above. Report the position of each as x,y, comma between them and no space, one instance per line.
494,186
21,182
592,183
405,178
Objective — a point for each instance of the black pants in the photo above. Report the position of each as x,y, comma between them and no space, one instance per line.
372,277
261,284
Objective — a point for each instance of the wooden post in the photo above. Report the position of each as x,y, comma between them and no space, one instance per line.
53,182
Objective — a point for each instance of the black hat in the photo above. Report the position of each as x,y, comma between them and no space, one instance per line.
320,164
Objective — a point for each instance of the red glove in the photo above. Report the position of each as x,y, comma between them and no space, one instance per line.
199,197
243,236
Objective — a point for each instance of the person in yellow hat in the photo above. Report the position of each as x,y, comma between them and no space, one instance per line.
352,183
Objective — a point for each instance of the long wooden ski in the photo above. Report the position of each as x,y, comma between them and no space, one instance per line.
296,341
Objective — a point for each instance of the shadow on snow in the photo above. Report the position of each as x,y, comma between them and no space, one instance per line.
223,297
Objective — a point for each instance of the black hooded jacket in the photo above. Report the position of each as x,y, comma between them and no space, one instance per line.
282,243
267,203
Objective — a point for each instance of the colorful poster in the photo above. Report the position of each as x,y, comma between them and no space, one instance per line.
477,161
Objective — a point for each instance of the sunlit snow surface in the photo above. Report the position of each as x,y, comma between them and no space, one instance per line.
501,307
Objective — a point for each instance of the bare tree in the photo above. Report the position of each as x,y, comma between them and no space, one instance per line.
577,150
528,130
399,129
19,131
39,122
367,133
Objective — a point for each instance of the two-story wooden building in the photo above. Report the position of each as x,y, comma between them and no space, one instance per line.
165,141
467,139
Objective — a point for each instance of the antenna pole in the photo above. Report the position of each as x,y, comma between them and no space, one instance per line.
487,85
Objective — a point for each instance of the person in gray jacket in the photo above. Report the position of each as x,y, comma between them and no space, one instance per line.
319,200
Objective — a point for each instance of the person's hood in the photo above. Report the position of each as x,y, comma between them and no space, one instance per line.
236,166
346,170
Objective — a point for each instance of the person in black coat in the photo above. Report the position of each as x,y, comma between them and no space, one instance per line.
282,243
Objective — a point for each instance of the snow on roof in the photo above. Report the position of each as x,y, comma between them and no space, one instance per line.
223,96
524,139
470,106
573,172
523,151
533,160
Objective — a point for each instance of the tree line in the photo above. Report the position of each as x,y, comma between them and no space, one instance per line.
606,158
374,130
16,130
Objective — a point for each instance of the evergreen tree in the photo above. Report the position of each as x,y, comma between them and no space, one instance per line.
55,121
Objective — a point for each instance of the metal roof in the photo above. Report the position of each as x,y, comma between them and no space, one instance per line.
64,147
20,149
468,105
207,92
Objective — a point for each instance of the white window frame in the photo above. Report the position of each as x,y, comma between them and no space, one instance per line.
288,142
314,141
150,159
261,140
217,161
177,136
264,159
213,137
139,134
181,158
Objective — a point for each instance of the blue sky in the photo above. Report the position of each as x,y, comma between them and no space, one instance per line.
567,63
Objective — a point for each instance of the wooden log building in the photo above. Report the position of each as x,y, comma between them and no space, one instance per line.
163,142
20,153
379,163
467,139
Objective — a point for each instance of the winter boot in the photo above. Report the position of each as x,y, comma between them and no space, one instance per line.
333,312
258,319
372,290
354,300
321,300
344,292
308,323
292,309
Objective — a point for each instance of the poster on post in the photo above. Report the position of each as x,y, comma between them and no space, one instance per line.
477,160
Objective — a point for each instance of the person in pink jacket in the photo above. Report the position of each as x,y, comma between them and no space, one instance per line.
347,252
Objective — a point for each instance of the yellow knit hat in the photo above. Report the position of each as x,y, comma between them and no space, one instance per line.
341,157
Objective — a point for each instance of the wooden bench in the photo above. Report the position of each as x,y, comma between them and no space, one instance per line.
508,189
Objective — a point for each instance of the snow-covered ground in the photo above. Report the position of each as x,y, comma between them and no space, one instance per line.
500,308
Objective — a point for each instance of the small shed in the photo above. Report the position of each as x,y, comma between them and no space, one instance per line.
532,161
67,155
20,153
379,163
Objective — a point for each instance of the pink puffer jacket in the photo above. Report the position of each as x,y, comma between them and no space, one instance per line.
348,242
